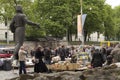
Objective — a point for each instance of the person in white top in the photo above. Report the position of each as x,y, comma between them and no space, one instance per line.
22,58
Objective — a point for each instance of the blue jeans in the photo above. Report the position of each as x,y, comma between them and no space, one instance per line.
22,67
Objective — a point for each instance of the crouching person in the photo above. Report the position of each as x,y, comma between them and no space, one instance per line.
22,58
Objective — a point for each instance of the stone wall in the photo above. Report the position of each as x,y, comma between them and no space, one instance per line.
105,73
53,44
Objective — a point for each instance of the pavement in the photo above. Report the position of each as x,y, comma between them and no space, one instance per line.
6,75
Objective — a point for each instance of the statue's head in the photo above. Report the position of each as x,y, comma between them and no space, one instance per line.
19,9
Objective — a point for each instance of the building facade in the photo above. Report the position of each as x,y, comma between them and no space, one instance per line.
5,33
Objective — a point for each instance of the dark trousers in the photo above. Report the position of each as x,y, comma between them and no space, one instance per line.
62,58
40,67
22,67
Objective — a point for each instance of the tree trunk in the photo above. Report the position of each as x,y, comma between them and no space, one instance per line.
85,35
88,37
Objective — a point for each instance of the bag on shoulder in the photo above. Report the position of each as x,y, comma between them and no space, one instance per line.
12,28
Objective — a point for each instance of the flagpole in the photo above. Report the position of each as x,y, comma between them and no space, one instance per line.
81,11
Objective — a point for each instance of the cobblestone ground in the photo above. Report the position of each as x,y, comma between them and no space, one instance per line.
5,75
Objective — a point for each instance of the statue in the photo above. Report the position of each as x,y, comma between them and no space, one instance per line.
17,26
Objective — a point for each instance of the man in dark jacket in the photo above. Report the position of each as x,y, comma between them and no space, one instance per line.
97,59
62,53
47,55
17,26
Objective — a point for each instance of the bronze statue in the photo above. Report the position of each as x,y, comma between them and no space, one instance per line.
17,26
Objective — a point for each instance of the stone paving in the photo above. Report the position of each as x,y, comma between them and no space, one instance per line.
6,75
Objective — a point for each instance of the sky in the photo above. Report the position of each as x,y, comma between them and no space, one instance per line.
113,3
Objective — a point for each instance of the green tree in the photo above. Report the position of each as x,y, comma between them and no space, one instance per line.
109,32
58,16
95,17
6,10
116,18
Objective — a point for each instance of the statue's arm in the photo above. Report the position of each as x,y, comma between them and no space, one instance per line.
30,22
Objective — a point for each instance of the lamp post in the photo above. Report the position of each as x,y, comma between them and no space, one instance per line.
81,8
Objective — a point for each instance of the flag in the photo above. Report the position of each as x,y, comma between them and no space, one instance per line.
83,19
79,25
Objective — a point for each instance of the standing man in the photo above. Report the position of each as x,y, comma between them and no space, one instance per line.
17,26
22,58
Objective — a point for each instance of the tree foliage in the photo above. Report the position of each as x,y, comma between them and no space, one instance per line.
109,23
95,17
116,17
58,18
